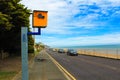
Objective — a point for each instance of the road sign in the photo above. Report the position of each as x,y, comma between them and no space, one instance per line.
39,19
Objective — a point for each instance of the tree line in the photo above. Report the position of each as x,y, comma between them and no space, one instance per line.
13,15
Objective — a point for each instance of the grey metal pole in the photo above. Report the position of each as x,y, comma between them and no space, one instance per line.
24,50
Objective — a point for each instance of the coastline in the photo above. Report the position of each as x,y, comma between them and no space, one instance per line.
107,51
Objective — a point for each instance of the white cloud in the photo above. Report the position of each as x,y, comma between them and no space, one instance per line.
61,12
85,40
61,20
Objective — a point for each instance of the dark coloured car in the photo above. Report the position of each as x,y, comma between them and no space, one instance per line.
60,51
50,49
72,52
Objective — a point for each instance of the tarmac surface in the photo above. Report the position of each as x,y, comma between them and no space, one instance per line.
88,67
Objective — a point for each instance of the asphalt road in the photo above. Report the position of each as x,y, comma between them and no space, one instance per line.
89,68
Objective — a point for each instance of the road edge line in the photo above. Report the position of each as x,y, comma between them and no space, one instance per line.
63,69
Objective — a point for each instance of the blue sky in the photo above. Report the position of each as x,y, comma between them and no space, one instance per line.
78,22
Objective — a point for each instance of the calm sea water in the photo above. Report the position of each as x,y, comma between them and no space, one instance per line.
117,46
109,49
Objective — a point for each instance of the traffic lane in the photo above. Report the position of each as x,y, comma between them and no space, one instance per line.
89,69
76,69
72,68
84,69
105,61
97,71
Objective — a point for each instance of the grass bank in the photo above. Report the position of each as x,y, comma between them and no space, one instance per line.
7,75
11,66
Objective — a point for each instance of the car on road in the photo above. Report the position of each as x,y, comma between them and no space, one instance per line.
60,51
72,52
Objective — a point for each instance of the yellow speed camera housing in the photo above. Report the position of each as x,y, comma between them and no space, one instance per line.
40,19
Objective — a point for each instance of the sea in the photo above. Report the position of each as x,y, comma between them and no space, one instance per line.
109,49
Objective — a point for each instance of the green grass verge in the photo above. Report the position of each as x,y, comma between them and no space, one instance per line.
7,75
